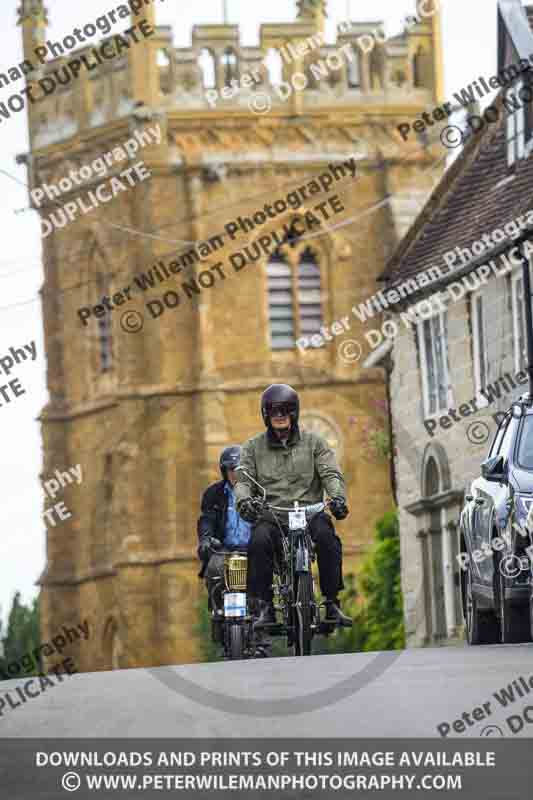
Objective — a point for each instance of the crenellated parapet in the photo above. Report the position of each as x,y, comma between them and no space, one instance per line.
292,71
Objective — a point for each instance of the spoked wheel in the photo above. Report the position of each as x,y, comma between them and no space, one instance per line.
236,642
481,626
303,615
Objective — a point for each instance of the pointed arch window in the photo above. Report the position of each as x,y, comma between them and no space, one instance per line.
309,300
421,70
280,303
294,298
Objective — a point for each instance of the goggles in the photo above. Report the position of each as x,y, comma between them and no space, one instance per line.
280,409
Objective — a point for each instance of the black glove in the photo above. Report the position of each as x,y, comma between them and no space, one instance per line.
250,509
338,508
207,545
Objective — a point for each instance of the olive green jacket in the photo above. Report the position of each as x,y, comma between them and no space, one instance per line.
298,470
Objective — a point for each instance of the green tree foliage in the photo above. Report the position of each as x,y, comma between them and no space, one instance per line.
22,635
377,606
209,650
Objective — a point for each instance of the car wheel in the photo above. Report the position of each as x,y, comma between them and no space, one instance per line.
481,626
514,620
531,608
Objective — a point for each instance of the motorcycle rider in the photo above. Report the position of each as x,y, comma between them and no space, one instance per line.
291,465
220,525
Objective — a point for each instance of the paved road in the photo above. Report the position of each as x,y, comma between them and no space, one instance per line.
317,696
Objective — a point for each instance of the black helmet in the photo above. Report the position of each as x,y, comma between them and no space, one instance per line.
230,458
281,398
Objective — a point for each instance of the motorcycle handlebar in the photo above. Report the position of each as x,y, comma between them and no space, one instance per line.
315,508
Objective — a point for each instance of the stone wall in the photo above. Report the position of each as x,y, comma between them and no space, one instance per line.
458,457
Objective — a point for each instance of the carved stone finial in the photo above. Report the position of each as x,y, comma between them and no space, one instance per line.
32,8
311,10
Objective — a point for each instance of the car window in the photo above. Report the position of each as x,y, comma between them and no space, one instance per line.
498,438
506,444
525,448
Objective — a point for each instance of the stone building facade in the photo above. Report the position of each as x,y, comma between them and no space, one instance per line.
146,413
460,333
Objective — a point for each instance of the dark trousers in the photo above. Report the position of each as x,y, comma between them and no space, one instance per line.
265,545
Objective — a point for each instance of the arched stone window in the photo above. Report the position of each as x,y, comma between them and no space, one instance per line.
309,294
421,70
431,478
280,302
230,64
165,71
207,64
353,70
112,645
294,298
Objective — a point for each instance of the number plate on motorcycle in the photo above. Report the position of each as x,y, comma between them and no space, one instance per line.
235,604
296,520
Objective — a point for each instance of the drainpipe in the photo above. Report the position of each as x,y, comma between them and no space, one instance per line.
529,316
393,482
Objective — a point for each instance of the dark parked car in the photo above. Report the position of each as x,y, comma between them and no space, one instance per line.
495,539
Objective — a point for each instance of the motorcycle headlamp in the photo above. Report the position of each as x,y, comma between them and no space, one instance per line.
235,570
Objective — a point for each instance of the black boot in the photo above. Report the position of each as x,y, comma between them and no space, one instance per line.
267,615
335,615
262,645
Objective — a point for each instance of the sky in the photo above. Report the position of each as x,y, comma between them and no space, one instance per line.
469,41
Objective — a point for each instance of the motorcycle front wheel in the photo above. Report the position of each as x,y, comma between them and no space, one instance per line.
236,642
303,614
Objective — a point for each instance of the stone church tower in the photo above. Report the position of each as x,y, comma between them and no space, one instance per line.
146,413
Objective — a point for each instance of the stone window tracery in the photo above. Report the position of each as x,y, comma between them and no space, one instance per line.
294,298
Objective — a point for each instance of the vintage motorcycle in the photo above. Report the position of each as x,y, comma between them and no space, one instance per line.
231,618
293,586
